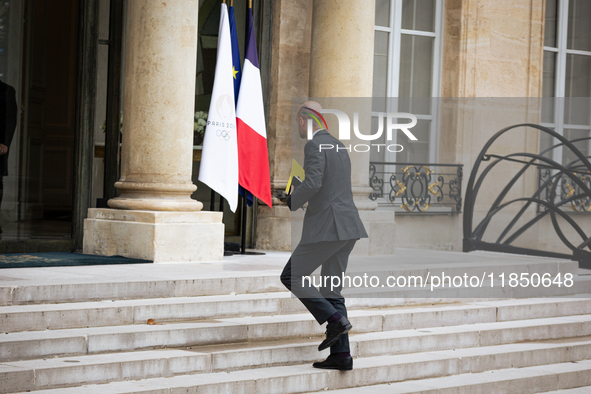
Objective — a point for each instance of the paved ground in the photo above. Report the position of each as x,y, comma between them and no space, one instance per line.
255,265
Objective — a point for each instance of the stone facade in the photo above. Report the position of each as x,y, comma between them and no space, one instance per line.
490,49
493,49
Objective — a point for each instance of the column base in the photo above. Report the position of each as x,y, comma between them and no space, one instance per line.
156,236
280,229
152,204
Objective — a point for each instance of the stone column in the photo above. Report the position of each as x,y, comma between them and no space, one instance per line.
158,107
157,146
341,66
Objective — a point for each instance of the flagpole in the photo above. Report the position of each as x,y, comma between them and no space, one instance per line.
244,205
212,202
243,225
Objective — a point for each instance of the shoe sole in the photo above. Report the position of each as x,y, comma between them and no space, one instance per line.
339,369
348,328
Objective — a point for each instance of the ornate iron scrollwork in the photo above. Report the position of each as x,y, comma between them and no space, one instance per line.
376,183
417,187
568,189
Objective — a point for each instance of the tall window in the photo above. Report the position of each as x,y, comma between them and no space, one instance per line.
567,74
407,66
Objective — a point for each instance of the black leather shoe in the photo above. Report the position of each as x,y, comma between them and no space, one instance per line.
335,362
334,331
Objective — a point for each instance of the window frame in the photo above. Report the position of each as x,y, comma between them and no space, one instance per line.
395,32
561,50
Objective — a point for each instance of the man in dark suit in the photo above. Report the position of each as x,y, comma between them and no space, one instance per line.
331,228
8,114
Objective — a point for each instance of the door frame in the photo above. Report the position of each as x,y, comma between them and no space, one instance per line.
88,42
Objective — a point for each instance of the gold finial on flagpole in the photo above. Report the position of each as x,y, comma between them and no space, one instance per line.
224,1
231,3
249,3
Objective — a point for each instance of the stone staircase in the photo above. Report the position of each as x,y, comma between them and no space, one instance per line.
239,332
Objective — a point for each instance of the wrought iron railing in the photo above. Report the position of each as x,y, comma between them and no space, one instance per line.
417,187
561,186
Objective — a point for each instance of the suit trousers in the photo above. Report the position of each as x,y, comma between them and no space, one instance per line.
333,256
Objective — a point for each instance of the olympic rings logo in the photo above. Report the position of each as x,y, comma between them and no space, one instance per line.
223,135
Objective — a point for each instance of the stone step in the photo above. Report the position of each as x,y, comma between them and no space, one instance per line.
102,368
85,284
424,293
250,282
460,370
120,312
578,390
529,380
35,317
66,342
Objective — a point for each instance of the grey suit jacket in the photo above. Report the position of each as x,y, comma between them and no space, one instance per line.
331,214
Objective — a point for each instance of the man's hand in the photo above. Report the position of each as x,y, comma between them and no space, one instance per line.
282,196
3,149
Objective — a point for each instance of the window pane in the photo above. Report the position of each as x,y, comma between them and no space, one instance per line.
547,141
579,25
578,76
374,155
577,111
418,15
567,155
578,87
383,13
416,65
415,151
380,64
548,87
551,25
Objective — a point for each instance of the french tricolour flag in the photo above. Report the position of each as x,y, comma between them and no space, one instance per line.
253,156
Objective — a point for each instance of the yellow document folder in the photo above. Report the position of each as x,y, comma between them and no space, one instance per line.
296,170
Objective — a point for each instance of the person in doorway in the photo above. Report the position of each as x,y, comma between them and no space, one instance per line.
8,114
330,229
